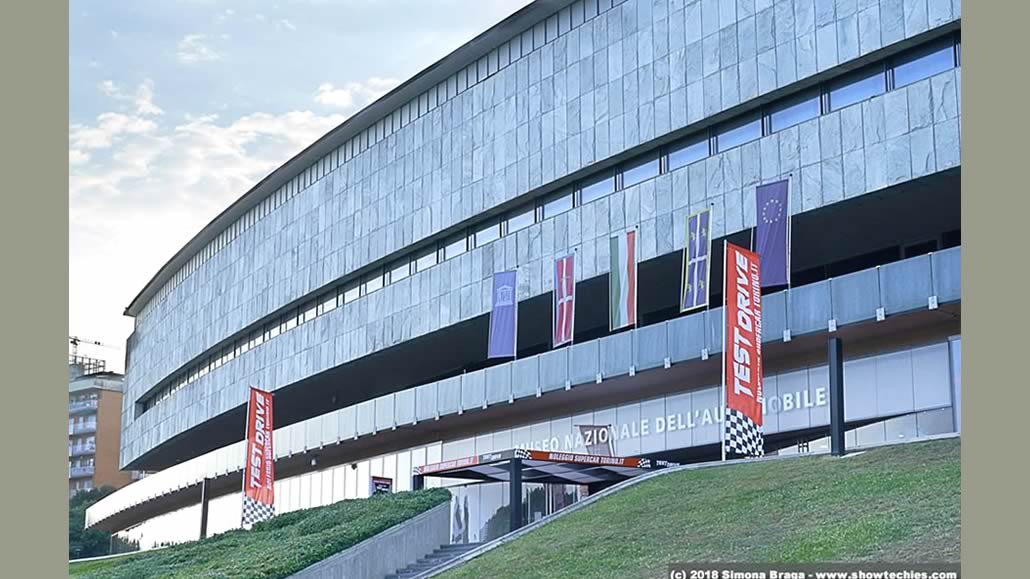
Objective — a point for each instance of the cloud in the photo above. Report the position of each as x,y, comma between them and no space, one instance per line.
354,94
141,184
285,23
193,49
142,100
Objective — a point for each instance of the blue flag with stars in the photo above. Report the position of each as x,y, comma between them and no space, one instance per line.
772,242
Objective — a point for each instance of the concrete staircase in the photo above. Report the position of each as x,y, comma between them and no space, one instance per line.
438,557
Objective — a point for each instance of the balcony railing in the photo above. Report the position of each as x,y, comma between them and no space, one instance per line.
81,406
80,471
81,449
82,428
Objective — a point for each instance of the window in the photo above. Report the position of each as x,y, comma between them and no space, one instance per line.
400,270
273,330
426,260
351,292
857,87
738,133
487,233
455,247
924,62
557,204
595,189
794,111
640,170
327,302
521,218
686,152
290,321
310,311
373,282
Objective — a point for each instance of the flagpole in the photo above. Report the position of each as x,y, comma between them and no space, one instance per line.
246,463
790,220
722,391
572,317
515,300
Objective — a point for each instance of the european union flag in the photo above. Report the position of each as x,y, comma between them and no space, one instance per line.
772,242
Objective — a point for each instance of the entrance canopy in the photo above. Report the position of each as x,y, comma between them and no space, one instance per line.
541,466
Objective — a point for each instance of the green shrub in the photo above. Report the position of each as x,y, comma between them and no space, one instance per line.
275,548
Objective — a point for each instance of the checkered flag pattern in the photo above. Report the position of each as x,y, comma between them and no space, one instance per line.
743,436
521,453
255,512
645,463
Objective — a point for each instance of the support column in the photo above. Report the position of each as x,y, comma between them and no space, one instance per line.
515,492
835,354
204,501
418,482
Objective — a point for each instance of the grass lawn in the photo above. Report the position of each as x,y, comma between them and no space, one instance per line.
898,504
272,549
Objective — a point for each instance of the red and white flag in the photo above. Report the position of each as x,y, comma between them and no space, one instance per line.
259,467
564,310
742,354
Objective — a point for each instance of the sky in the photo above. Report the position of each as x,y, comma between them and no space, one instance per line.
178,108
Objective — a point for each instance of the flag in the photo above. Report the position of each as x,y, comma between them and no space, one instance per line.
564,310
259,463
772,238
742,354
503,316
696,265
622,280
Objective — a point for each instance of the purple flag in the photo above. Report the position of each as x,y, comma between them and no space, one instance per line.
772,243
694,292
503,317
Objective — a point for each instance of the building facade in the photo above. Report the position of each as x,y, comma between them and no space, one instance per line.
94,426
355,280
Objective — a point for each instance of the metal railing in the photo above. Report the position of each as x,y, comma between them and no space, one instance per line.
80,471
82,428
81,449
81,406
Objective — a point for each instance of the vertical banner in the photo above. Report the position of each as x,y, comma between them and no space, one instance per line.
742,354
696,262
503,317
772,235
564,309
622,280
259,466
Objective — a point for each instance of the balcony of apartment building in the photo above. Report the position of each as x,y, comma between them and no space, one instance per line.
82,427
81,471
86,449
82,406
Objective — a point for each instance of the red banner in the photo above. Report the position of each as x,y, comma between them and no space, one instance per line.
743,349
259,472
564,300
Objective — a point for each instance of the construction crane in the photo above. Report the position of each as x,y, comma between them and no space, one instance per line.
76,340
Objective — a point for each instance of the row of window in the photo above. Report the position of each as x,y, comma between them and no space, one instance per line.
918,63
496,60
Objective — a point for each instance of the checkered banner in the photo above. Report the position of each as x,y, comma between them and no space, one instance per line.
743,436
742,354
255,512
259,469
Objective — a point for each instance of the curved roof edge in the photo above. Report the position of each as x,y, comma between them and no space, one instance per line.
366,117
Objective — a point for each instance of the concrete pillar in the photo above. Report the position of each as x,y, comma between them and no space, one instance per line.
835,353
515,492
204,502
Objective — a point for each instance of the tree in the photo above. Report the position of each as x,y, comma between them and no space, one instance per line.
86,542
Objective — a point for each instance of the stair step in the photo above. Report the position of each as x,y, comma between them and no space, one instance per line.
440,556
